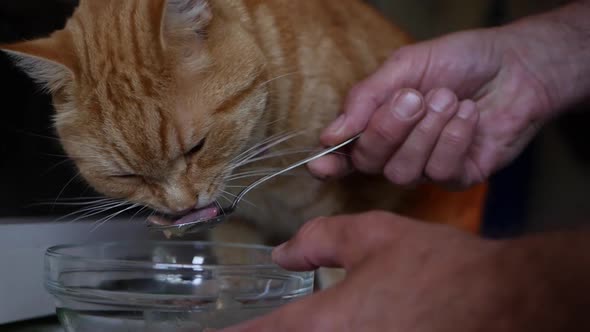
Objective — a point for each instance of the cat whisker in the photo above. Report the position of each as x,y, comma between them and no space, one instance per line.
65,161
99,208
255,170
54,155
125,207
102,208
248,175
268,171
278,77
93,212
272,138
243,200
258,145
86,190
150,215
105,220
289,153
66,185
277,120
230,201
267,143
279,154
72,203
266,147
64,140
81,198
220,206
229,180
138,212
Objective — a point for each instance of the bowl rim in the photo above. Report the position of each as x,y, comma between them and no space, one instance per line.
53,253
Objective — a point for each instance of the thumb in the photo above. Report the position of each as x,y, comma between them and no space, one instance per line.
402,70
337,242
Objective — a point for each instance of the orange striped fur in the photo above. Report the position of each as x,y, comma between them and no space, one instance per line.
140,85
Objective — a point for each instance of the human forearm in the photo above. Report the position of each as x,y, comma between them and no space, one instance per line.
547,281
556,49
434,278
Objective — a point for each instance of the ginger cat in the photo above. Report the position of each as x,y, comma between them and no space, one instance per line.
160,103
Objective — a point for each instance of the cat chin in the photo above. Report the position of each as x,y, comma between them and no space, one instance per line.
207,212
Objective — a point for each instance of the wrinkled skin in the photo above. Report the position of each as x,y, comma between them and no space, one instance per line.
456,109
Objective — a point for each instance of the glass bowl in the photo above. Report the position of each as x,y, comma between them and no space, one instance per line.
167,286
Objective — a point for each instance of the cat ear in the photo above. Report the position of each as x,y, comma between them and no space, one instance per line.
44,60
180,17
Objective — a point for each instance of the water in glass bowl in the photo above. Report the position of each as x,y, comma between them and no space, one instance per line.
169,286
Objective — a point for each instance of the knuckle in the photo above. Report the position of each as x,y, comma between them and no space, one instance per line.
426,127
410,153
383,131
358,91
364,164
455,136
454,100
438,171
377,215
312,227
446,91
400,175
402,53
382,220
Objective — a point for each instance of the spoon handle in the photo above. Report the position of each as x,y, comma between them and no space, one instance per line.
291,167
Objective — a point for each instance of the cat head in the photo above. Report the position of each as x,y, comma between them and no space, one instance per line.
153,98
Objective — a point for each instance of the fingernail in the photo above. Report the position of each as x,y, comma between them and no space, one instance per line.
313,167
441,100
466,112
337,125
407,105
279,251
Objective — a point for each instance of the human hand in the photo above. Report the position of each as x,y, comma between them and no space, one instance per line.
451,111
401,276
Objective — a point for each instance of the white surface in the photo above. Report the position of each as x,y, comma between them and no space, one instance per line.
22,247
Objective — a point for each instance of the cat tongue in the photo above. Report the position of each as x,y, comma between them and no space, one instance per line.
205,213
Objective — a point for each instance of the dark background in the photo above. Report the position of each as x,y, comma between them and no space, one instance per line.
551,177
31,169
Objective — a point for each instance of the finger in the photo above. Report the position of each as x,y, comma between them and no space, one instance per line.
330,166
387,130
406,167
401,70
336,241
446,165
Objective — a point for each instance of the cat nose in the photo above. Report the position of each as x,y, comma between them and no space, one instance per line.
179,198
203,201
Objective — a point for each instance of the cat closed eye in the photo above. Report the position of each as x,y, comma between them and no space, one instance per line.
197,148
126,176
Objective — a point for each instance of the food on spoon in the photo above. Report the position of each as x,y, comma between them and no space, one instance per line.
180,223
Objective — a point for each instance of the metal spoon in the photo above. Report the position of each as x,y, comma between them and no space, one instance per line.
202,224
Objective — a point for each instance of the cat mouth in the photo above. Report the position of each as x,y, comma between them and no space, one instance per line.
207,212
